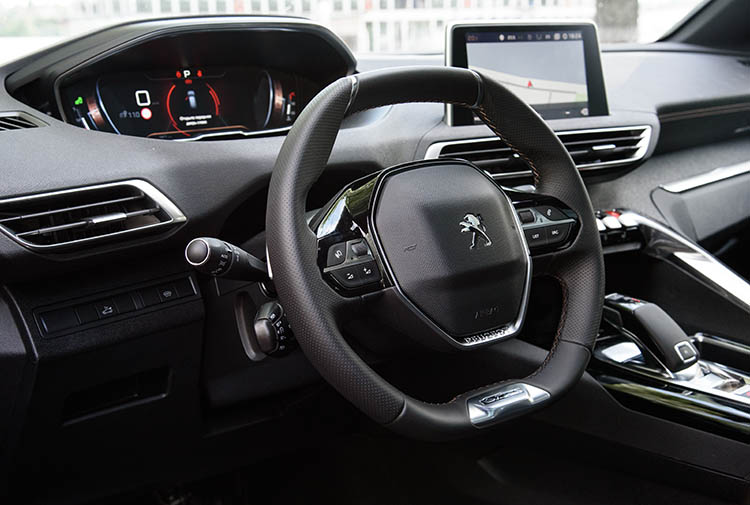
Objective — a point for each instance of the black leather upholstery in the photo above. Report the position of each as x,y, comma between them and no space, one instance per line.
311,304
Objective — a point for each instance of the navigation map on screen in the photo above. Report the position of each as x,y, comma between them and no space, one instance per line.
545,69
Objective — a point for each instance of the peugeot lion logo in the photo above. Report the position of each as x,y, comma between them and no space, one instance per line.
472,223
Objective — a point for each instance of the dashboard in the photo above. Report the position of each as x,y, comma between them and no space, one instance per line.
101,107
188,103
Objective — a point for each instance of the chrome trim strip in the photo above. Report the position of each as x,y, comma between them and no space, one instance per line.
433,150
508,399
715,175
664,242
208,252
175,214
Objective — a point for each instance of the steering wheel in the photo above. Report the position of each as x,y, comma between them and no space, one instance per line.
436,248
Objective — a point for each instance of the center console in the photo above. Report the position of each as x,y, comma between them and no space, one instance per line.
685,358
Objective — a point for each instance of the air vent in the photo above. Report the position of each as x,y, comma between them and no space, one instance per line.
590,149
79,217
17,121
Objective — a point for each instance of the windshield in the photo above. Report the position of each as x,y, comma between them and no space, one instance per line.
367,26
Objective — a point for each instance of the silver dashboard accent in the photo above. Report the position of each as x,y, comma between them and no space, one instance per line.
663,242
506,400
175,214
716,175
434,150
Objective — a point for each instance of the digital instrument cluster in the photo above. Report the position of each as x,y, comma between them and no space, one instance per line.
187,103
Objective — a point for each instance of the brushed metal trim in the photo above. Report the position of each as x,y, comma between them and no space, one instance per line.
715,175
510,398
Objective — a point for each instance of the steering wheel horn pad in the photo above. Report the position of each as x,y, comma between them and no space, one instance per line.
315,308
452,242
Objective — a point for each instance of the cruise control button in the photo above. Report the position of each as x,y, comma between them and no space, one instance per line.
369,272
551,213
336,254
535,237
557,233
348,276
526,216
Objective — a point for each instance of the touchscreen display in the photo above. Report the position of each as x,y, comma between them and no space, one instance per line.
545,69
555,68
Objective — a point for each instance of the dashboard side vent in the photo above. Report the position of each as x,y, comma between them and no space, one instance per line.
74,218
590,149
17,121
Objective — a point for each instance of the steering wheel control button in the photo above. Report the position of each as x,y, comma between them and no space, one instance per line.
369,272
557,233
600,225
358,249
526,216
59,320
536,237
348,277
551,213
336,254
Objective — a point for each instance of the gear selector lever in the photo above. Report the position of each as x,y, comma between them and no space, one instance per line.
656,329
